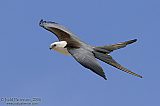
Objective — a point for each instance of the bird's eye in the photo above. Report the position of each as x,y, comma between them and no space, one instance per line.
54,45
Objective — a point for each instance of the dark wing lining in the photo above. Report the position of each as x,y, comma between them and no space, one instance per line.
87,59
62,33
64,36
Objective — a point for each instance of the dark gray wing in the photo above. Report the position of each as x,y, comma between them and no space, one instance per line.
87,59
62,33
109,60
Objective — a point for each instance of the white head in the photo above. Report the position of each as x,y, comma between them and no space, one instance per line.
60,44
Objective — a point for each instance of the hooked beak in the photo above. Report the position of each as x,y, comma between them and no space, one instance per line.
50,48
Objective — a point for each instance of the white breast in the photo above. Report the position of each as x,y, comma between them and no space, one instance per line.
62,50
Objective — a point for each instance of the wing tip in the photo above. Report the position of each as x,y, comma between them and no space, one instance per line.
131,41
41,22
140,76
105,78
134,40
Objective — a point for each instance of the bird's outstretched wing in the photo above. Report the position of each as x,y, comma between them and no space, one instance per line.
62,33
87,59
109,60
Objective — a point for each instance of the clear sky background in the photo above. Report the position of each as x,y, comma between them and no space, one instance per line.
29,69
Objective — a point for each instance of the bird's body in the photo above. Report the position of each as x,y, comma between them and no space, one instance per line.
83,53
62,50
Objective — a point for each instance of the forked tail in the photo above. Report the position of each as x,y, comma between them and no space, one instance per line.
102,52
110,48
109,60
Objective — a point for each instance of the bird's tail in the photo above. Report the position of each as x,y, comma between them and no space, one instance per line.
109,60
109,48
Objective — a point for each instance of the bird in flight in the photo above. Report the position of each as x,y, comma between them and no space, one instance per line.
85,54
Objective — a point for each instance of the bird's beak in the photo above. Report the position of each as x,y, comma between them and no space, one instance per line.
50,48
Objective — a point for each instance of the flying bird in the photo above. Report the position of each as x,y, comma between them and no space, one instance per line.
85,54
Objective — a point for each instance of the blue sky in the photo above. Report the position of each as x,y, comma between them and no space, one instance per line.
29,69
